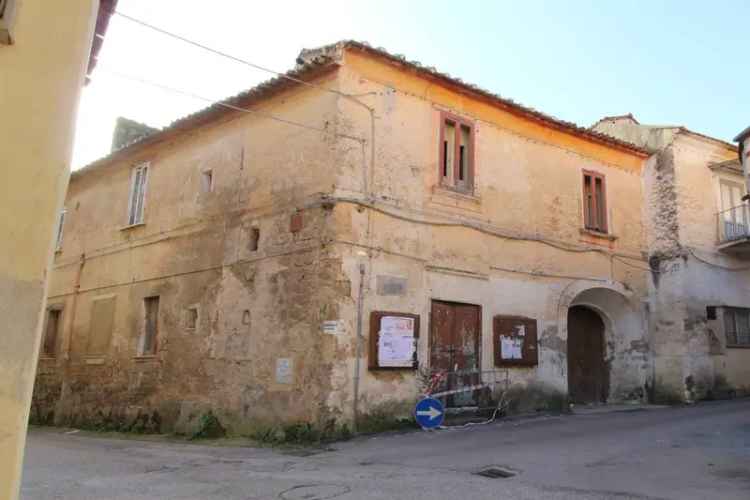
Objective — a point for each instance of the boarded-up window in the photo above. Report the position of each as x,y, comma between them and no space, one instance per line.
102,321
138,184
456,154
150,326
49,348
594,202
393,340
515,341
191,318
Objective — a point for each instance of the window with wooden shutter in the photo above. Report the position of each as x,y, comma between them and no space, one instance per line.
49,347
150,336
456,155
515,341
594,201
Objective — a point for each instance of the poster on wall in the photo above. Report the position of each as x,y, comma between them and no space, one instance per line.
396,342
511,347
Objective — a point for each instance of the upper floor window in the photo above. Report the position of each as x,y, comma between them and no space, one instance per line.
138,183
737,326
60,226
456,153
733,220
594,202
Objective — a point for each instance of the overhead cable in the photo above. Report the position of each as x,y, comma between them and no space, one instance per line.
235,58
224,104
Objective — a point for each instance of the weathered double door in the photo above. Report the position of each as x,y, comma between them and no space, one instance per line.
455,333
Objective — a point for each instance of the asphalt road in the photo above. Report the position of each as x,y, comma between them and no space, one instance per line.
700,452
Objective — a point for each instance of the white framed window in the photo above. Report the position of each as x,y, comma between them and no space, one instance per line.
60,226
138,185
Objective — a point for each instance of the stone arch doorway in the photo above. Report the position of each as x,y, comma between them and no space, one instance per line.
626,350
588,373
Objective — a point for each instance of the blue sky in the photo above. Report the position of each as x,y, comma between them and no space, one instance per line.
667,62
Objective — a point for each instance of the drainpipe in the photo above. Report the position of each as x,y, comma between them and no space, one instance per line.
358,347
74,306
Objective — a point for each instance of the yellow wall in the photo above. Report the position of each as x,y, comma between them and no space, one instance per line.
40,83
193,251
528,186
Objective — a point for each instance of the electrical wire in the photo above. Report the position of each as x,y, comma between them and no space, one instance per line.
234,58
224,104
713,264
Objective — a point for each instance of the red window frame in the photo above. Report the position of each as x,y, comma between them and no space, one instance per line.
596,218
454,181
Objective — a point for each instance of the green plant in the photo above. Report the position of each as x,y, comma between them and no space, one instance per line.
209,427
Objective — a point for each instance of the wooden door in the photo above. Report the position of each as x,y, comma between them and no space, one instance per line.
587,373
455,347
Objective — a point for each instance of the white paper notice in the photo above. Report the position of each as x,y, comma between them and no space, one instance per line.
395,350
510,348
397,325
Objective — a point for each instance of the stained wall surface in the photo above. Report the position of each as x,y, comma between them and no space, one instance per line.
691,274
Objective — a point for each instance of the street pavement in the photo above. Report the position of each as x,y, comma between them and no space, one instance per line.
682,453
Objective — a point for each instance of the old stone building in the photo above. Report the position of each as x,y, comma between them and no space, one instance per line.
310,250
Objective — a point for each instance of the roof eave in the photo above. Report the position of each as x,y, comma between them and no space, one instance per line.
506,104
216,110
742,135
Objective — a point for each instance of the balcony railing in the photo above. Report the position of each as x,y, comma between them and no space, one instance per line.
734,224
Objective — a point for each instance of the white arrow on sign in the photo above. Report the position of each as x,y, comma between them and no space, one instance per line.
432,412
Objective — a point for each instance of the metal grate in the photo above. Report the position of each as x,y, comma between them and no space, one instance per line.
495,472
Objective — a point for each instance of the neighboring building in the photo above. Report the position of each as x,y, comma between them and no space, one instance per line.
129,131
310,259
698,247
45,49
743,138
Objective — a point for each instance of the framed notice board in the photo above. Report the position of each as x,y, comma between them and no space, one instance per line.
515,341
393,341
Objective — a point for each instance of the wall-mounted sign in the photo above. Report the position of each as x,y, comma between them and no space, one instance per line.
332,327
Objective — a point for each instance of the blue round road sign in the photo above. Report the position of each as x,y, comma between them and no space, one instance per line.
429,413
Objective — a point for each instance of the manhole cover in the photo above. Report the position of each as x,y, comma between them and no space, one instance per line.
495,472
314,492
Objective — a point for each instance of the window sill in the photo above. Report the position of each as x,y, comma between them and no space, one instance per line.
94,361
132,226
738,346
598,234
146,357
47,358
460,194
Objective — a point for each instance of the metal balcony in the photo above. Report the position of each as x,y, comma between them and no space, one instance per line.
734,229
